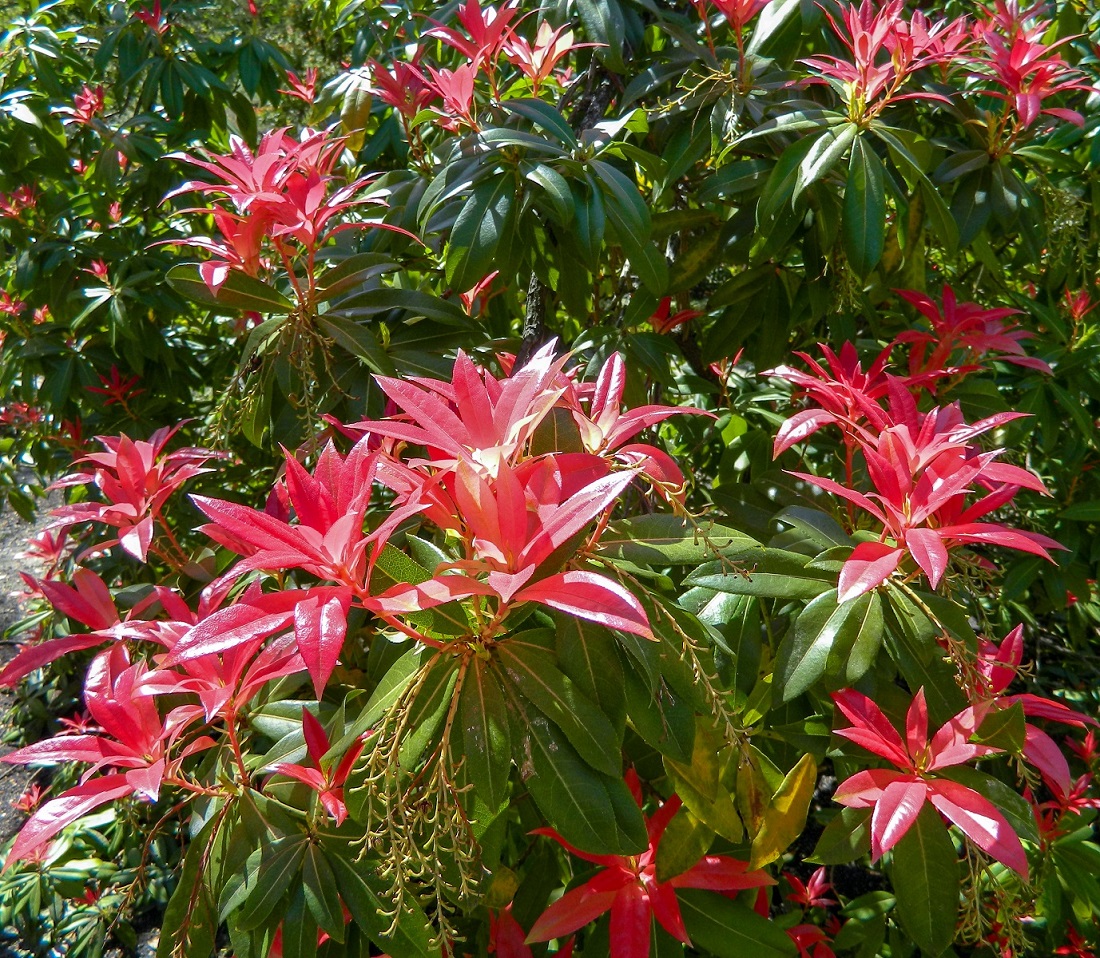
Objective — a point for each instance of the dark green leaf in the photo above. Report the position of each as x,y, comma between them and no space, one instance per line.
487,746
367,898
533,671
542,114
804,652
1004,728
670,540
322,897
239,292
864,209
729,929
846,838
764,572
299,927
825,153
586,653
281,863
556,189
593,811
925,876
483,225
191,918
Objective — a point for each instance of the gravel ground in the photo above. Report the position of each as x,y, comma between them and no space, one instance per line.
14,533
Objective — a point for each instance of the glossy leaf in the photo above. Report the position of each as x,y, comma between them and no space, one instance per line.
239,292
531,669
864,208
487,746
804,652
593,811
730,930
925,877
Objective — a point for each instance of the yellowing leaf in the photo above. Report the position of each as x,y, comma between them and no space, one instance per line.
701,786
785,815
685,841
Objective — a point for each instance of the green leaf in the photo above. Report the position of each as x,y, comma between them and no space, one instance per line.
533,671
299,927
428,707
729,929
1082,512
970,205
685,841
483,225
603,23
322,897
556,188
367,898
352,273
358,340
543,115
593,811
864,209
825,153
239,292
779,191
804,652
663,720
280,863
385,694
416,303
1004,729
846,838
487,746
925,877
934,205
191,918
670,540
856,661
623,195
764,572
586,653
590,222
704,784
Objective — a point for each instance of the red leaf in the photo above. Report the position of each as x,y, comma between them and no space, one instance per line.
1045,755
870,564
928,549
719,873
865,788
64,810
980,821
591,596
631,921
895,812
35,656
666,909
319,628
871,728
573,910
314,732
